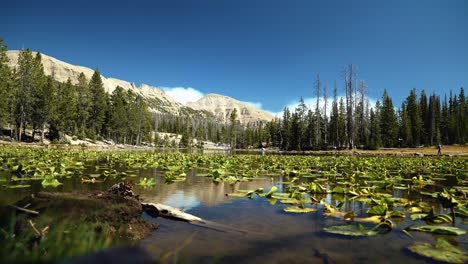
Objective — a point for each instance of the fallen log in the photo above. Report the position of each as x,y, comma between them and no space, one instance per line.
166,211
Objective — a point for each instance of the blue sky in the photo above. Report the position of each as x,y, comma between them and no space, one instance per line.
267,52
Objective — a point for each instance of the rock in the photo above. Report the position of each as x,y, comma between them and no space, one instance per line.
222,107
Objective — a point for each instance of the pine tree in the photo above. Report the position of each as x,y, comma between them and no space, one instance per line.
40,98
23,96
416,122
444,122
375,139
67,101
295,132
286,129
425,119
462,117
98,103
119,111
83,103
5,85
405,126
388,122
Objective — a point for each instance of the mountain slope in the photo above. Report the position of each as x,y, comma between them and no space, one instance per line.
158,100
222,106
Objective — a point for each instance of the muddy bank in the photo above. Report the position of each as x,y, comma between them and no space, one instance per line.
49,227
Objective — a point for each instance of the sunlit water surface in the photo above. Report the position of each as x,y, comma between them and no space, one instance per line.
243,230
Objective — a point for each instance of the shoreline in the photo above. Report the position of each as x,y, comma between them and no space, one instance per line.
449,150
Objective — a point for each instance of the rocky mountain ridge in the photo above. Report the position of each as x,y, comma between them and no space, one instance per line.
222,106
158,100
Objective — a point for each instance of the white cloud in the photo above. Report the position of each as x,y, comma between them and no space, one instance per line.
183,95
255,104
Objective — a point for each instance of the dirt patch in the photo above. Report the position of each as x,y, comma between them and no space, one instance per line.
55,226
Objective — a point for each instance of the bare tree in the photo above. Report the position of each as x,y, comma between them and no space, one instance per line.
317,112
362,122
325,98
349,77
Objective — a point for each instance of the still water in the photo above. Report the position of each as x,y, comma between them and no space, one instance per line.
243,230
254,231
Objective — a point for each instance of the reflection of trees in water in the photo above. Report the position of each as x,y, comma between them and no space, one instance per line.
202,188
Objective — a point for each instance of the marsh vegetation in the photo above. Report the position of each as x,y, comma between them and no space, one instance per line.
279,207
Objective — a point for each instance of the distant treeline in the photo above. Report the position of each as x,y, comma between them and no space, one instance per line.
31,100
353,123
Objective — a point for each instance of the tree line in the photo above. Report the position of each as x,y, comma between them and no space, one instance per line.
354,123
31,100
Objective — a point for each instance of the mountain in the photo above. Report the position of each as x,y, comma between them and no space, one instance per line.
222,106
157,99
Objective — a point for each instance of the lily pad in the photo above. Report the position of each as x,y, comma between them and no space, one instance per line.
297,209
17,186
294,201
338,189
443,230
50,182
442,251
351,230
378,210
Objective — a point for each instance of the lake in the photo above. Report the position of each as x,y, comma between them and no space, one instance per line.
257,229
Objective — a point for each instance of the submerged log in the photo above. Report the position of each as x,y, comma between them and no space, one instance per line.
166,211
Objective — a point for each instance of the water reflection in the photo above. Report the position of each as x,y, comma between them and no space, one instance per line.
194,191
182,200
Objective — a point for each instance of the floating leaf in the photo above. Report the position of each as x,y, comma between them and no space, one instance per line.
442,251
294,201
18,186
50,181
338,189
417,216
297,209
399,214
147,182
378,210
443,230
270,193
351,230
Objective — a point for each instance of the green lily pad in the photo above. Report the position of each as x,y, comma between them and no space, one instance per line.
443,230
351,230
297,209
378,210
398,214
294,201
338,189
17,186
52,182
270,193
417,216
442,251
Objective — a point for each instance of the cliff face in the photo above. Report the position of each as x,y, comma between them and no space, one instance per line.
222,107
63,71
219,105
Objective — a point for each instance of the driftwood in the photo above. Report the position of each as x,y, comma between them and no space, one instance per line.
166,211
153,209
26,210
